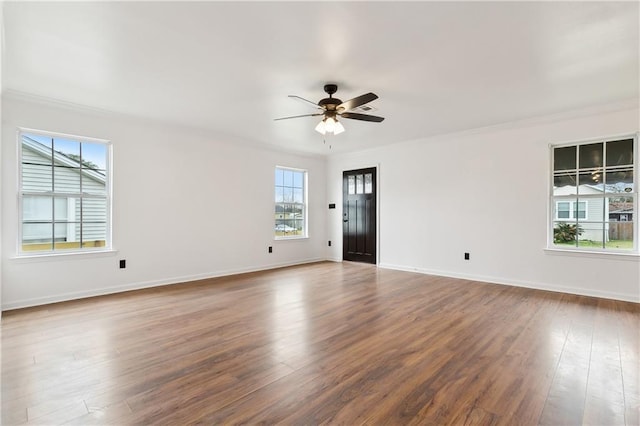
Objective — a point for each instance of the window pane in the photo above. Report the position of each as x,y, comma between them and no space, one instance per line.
94,156
298,179
94,181
36,232
37,178
565,184
620,153
37,236
297,196
93,210
288,178
620,209
66,150
359,184
94,234
352,184
64,209
279,177
289,226
65,232
279,212
590,183
287,194
564,158
620,235
37,209
591,155
279,194
565,233
368,183
36,149
66,179
619,181
592,235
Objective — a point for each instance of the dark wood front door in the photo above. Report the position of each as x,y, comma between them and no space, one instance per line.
359,215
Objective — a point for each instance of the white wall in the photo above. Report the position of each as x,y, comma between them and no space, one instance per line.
186,205
486,193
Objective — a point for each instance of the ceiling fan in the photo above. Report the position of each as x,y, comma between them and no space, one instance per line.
331,108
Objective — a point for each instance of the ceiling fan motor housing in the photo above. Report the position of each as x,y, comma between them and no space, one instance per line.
330,104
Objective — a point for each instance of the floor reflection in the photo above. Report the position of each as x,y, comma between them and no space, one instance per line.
290,328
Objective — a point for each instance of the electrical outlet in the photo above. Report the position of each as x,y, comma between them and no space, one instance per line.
466,256
329,243
123,263
270,249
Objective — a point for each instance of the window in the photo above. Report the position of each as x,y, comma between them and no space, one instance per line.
594,196
360,184
291,203
64,193
571,210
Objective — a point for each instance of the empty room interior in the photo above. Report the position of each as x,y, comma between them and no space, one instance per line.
320,213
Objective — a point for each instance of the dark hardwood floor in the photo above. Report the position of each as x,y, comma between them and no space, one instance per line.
324,343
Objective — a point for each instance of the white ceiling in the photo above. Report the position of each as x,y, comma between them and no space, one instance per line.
227,68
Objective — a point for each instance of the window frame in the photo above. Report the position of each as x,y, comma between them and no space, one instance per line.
552,218
305,204
21,194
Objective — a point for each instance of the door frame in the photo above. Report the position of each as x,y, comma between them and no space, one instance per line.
377,168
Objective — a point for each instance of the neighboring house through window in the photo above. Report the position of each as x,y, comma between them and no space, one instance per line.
594,195
64,193
290,203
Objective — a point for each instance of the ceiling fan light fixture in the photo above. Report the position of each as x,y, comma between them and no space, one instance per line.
321,127
330,124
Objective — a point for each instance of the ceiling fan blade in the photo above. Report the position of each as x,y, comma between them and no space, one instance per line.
305,100
363,117
356,102
298,116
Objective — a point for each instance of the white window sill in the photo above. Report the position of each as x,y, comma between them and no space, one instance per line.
49,257
293,238
633,256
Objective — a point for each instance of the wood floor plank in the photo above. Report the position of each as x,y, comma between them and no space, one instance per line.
324,343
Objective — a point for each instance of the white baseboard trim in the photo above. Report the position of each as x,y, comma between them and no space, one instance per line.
517,283
64,297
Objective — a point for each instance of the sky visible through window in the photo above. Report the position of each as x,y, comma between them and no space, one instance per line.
95,153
